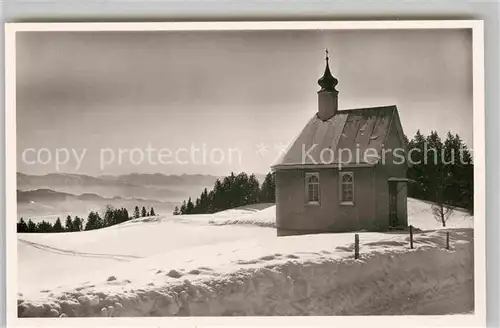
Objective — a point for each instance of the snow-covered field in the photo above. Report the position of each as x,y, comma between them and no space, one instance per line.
232,263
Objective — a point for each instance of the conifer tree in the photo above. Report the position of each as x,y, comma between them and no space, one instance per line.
99,220
253,190
416,169
144,212
110,216
183,208
22,227
217,198
137,213
126,216
58,226
189,206
176,211
31,226
77,224
268,189
204,201
196,206
211,202
152,212
69,224
94,221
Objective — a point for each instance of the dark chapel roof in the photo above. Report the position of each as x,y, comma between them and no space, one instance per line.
348,130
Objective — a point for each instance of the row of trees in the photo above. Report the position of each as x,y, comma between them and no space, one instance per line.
94,221
143,213
43,226
232,191
443,171
111,217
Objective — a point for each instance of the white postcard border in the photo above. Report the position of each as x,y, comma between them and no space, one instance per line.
467,320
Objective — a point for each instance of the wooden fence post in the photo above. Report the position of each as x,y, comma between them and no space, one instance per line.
447,240
356,246
411,236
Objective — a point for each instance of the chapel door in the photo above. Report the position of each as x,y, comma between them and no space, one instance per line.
393,204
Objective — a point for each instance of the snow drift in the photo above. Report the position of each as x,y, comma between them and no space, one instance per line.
229,264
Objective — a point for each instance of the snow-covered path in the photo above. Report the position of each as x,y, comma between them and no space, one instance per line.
154,259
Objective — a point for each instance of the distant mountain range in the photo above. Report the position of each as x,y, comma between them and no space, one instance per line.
155,186
47,195
159,179
58,194
156,179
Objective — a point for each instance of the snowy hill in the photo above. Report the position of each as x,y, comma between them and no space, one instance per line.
232,263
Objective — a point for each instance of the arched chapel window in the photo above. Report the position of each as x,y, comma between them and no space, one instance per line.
312,187
346,187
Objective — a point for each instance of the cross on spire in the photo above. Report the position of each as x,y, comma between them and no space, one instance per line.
326,54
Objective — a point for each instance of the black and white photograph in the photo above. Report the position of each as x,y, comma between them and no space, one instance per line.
322,170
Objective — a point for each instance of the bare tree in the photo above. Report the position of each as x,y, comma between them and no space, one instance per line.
442,212
441,209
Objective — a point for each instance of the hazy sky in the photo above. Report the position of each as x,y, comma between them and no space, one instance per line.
222,90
